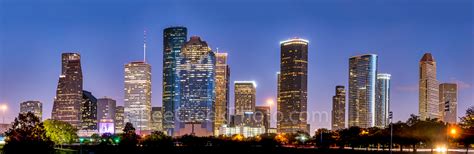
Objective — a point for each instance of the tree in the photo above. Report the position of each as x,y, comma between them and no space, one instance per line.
129,139
27,133
128,128
467,125
324,138
60,132
157,141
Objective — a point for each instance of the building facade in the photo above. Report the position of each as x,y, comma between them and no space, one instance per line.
119,120
137,103
156,119
382,100
88,112
173,40
222,89
68,100
35,107
196,72
338,118
106,108
448,102
428,88
362,83
245,94
293,88
262,116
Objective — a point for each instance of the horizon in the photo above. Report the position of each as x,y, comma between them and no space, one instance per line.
108,36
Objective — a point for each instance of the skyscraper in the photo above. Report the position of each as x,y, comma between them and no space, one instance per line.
339,109
119,119
245,94
262,116
88,111
68,100
428,88
293,87
138,95
106,108
222,91
35,107
156,119
362,82
382,100
173,40
448,102
196,72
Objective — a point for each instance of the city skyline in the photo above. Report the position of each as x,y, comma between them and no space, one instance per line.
403,83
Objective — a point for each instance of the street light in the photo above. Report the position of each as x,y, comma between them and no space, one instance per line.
453,131
270,102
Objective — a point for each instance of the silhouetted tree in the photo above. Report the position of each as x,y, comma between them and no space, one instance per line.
26,134
129,139
157,141
467,125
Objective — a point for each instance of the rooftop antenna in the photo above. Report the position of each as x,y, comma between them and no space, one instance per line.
144,46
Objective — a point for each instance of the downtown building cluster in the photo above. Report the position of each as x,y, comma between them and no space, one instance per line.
196,91
369,95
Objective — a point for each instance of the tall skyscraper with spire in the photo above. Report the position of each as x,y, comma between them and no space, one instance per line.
196,72
222,89
68,100
293,88
137,102
338,119
428,88
173,40
362,83
382,100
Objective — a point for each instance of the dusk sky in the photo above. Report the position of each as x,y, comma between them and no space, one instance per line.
108,34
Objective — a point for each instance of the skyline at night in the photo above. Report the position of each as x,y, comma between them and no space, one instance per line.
109,36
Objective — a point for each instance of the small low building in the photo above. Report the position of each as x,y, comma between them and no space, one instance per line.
246,131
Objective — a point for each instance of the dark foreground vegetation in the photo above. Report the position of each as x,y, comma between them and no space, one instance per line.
29,135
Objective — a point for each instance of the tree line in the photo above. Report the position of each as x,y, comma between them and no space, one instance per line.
44,137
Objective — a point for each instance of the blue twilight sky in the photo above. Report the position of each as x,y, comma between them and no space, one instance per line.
108,34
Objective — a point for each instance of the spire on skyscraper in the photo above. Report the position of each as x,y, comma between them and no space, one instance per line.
144,46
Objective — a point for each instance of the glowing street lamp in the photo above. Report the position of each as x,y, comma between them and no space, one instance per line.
270,102
453,131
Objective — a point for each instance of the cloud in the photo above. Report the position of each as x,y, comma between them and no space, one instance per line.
461,84
407,88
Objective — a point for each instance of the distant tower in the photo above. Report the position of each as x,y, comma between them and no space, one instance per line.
339,109
428,88
362,83
35,107
173,40
245,94
293,89
448,102
156,119
137,101
68,100
382,100
119,120
196,72
88,112
106,109
222,89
